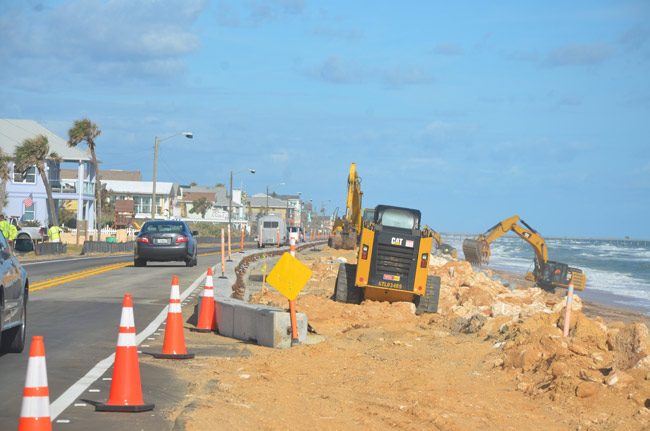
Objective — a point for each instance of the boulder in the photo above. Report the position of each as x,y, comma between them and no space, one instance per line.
503,309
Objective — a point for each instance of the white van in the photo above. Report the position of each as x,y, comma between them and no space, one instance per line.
269,226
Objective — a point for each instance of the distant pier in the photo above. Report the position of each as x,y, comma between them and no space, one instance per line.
625,242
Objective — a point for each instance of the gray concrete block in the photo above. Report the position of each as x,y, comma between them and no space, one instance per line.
244,327
273,328
225,310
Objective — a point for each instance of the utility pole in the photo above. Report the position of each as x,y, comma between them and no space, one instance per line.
230,204
155,171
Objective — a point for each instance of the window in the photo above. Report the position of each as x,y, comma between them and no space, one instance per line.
398,218
29,176
169,227
142,204
270,224
29,212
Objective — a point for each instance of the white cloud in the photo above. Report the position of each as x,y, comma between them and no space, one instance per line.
253,13
336,70
449,49
578,55
120,39
402,76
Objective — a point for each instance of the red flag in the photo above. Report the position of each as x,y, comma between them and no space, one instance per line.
28,201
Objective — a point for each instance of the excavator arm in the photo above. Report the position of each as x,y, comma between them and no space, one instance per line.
547,273
347,228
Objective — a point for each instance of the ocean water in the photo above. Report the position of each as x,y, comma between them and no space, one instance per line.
617,273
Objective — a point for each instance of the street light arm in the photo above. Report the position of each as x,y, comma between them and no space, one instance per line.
188,135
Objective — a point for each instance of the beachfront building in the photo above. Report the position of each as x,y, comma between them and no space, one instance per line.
141,193
219,203
260,204
25,195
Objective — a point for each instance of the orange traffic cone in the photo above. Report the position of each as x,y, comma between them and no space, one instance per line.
35,411
126,389
207,321
174,344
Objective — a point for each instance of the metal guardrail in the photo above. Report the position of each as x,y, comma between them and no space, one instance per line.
45,248
107,247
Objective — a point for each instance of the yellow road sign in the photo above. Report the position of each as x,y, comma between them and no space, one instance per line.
289,276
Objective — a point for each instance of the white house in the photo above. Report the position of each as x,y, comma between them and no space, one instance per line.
141,192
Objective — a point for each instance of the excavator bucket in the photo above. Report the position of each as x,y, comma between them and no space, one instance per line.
476,251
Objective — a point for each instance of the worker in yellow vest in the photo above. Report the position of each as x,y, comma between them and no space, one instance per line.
4,226
13,233
54,233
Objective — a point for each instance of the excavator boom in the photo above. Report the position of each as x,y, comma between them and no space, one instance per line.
347,228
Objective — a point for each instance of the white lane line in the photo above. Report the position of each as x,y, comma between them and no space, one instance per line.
79,387
63,421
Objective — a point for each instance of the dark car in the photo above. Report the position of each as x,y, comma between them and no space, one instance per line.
164,241
13,300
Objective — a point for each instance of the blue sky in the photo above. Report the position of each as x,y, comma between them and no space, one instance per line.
469,111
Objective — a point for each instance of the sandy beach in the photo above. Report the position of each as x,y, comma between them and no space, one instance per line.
492,358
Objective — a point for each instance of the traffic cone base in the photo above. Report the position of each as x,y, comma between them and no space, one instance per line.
99,407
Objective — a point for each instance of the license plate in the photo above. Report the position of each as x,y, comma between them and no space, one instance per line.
166,241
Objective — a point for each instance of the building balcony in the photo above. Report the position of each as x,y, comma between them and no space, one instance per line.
72,186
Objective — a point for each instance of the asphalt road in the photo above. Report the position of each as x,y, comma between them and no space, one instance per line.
78,320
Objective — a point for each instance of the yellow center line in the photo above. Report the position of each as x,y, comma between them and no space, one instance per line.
74,274
46,284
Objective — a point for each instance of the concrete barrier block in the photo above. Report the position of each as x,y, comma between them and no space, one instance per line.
273,328
225,311
244,322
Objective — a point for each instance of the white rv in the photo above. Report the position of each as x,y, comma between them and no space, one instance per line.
269,227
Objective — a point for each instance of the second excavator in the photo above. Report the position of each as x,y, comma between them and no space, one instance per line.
546,274
347,228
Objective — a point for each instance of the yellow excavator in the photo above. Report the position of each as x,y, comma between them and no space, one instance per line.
347,229
546,274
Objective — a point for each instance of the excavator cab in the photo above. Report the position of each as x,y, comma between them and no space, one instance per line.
558,274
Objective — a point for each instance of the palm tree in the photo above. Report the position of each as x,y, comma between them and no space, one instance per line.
36,152
4,177
86,131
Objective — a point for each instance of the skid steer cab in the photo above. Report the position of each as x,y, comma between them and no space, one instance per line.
392,262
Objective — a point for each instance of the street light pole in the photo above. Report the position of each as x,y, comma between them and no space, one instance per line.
156,143
230,204
267,195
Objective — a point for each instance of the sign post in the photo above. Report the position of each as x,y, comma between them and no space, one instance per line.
289,276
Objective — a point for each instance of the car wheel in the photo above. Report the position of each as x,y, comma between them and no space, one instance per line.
139,262
13,340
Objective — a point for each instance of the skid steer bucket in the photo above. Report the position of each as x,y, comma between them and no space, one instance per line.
476,251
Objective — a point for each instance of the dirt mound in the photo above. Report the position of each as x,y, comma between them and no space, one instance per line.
525,325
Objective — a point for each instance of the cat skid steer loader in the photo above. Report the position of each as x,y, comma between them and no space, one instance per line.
392,262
